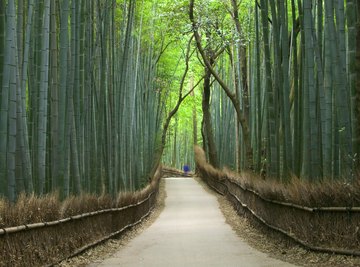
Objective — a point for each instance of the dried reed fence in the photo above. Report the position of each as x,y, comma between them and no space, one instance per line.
172,172
323,229
47,243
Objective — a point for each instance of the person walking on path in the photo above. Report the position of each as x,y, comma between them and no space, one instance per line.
186,169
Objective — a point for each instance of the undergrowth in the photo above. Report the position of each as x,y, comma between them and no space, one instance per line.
34,209
326,193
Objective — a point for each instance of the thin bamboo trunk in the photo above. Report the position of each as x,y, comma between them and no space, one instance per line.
342,95
54,96
257,96
2,41
272,125
8,109
357,89
63,78
288,153
43,99
311,104
351,19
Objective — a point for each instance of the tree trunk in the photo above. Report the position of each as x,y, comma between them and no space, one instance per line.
8,108
2,42
310,101
357,89
63,78
194,114
213,158
43,100
241,118
242,58
272,115
54,96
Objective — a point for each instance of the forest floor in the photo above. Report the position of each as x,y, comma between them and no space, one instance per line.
258,237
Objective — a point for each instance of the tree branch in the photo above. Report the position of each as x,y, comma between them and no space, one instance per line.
181,98
232,95
163,49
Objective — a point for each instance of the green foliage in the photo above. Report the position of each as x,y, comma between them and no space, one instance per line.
86,87
170,69
286,60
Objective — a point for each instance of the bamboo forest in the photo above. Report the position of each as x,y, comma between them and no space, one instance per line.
227,130
95,94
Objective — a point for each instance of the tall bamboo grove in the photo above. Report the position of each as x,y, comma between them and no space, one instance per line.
78,101
288,71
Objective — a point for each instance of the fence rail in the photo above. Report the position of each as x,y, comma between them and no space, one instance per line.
25,227
323,229
47,243
172,172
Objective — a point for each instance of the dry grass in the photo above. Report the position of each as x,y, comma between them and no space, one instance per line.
321,194
47,245
33,209
331,193
97,254
173,172
29,209
74,205
331,231
273,243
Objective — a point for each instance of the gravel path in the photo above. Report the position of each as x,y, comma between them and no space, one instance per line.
191,231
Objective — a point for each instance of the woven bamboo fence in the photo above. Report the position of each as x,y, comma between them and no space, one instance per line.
172,172
323,229
47,243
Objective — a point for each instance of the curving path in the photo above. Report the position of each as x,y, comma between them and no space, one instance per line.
191,231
